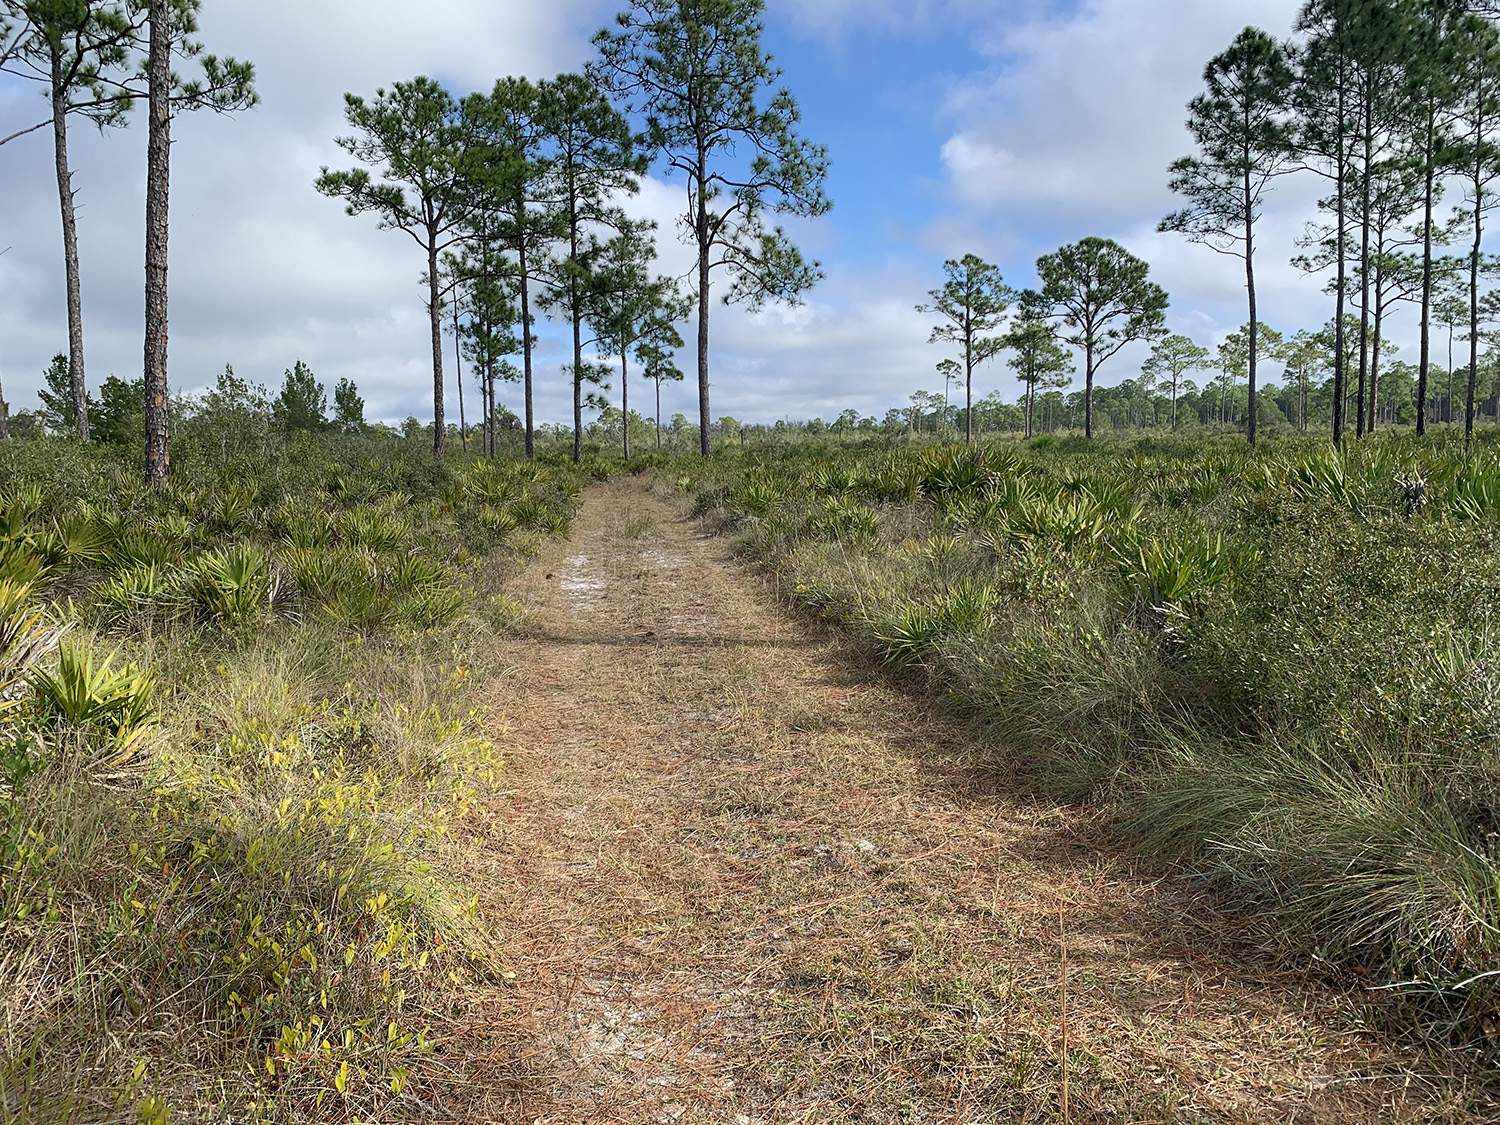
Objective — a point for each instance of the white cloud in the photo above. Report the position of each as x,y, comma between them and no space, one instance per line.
1081,113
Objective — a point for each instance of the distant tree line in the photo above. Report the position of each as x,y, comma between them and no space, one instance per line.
1394,105
512,196
117,413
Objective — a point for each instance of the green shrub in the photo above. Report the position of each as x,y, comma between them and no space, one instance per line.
372,529
1309,718
133,598
1166,572
229,587
87,693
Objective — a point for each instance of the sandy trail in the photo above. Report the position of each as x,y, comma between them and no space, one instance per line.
739,876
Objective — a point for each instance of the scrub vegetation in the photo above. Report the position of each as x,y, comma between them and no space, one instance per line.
241,736
1276,669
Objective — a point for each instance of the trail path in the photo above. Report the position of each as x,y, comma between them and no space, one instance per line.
740,876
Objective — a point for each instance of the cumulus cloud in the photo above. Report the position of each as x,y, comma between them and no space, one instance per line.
264,271
1080,113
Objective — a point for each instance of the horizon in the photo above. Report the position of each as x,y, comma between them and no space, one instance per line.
951,128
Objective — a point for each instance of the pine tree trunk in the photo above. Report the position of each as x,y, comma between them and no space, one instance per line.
624,405
526,356
1340,375
1088,387
1424,356
76,378
1375,356
968,395
458,376
703,413
158,175
1474,263
577,371
435,318
705,249
1250,288
658,416
1364,275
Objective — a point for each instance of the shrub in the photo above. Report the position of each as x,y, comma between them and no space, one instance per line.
1277,667
88,694
229,587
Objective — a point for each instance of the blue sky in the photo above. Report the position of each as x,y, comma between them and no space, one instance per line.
1002,127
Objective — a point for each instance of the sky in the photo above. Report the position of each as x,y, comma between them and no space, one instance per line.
1003,128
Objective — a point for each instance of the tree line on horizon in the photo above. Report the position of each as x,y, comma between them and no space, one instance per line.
513,195
1393,104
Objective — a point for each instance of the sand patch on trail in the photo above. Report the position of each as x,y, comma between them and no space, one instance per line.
582,586
741,877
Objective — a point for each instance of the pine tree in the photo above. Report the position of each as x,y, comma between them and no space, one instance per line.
1476,159
78,49
973,302
1171,358
697,74
415,138
1102,292
510,185
632,311
302,404
593,161
1040,362
348,408
1244,137
226,85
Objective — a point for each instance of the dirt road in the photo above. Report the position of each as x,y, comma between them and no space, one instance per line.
741,876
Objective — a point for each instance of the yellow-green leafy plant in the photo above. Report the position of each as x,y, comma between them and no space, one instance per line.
1167,571
375,530
140,545
228,507
21,563
429,606
415,572
496,521
77,540
132,597
1476,491
24,640
912,631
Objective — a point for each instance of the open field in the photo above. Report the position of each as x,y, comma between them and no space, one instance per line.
366,819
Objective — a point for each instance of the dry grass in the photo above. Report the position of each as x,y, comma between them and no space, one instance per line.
738,877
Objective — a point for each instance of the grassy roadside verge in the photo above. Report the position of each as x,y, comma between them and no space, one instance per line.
1275,670
240,749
